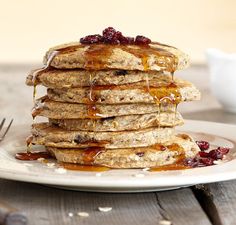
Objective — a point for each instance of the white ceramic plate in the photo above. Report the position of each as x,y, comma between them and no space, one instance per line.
122,180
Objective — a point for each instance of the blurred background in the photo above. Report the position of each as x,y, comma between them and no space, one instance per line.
30,27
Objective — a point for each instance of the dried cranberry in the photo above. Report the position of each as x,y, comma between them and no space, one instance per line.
91,39
141,40
114,40
121,72
108,118
118,35
207,158
108,32
215,154
140,154
203,154
126,40
192,162
203,145
206,161
223,150
218,153
78,139
111,36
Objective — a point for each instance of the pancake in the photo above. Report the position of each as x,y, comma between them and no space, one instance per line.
59,78
180,147
112,101
59,110
121,123
155,56
48,135
140,92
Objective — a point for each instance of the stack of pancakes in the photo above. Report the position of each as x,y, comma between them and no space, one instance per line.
113,105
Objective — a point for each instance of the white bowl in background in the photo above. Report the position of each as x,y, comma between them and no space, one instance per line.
223,77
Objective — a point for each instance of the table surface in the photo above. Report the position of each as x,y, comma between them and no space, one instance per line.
202,204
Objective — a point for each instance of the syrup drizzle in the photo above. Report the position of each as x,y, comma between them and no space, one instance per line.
145,63
45,68
30,156
79,167
38,107
91,153
167,94
171,147
92,109
29,142
172,76
178,164
36,110
158,103
169,167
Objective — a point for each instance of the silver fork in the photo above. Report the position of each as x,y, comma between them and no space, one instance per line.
8,214
6,130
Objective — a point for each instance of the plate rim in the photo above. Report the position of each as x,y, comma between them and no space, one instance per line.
146,182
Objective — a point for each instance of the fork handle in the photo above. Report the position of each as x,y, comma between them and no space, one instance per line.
11,216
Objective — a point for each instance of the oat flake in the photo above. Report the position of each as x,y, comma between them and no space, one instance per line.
83,214
60,170
104,209
165,222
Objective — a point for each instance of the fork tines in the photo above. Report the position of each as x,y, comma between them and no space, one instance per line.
6,130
